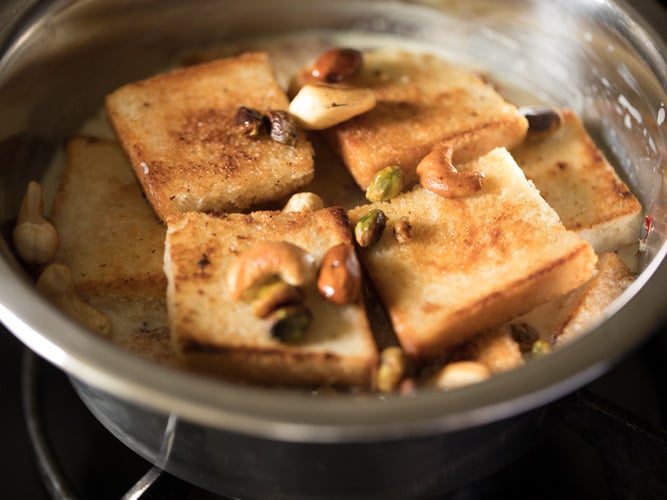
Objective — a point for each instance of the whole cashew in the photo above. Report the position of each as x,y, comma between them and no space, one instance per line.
35,238
291,263
57,285
438,174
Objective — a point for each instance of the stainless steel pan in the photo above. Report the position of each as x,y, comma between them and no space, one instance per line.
603,59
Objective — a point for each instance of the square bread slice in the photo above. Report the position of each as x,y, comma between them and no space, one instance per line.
178,131
576,179
471,263
566,318
109,235
422,100
216,334
113,244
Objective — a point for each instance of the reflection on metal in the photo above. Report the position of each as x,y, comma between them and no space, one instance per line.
52,475
155,474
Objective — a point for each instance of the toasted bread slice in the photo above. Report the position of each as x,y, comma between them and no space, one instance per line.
113,244
109,235
472,263
214,333
178,131
422,100
568,317
576,179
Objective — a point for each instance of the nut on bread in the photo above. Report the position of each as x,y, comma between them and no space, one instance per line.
178,130
215,333
474,262
421,100
576,179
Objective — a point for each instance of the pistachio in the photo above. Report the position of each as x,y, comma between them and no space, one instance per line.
249,121
317,107
541,120
403,230
369,228
267,260
438,175
524,335
460,373
282,127
303,202
290,323
540,347
386,184
339,280
337,65
274,295
35,238
392,369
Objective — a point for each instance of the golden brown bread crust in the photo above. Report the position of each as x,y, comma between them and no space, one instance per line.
422,100
474,262
578,182
214,333
178,131
109,235
566,318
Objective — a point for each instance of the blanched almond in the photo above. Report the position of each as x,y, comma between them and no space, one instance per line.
317,107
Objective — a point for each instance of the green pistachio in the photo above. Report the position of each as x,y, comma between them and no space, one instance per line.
289,323
386,184
368,230
540,347
274,295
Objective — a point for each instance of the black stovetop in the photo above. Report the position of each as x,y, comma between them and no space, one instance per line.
571,462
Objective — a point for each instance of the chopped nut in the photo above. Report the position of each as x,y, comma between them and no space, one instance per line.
403,230
259,264
369,228
438,175
386,184
541,120
273,296
282,127
35,238
57,285
290,323
337,65
317,107
540,347
303,202
392,369
249,121
340,275
524,334
459,374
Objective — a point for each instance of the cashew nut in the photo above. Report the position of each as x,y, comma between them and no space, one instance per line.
438,174
459,374
303,202
35,238
317,107
57,285
291,263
